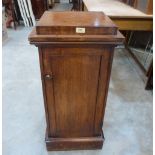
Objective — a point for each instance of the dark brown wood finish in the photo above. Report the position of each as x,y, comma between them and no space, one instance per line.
149,83
39,7
75,71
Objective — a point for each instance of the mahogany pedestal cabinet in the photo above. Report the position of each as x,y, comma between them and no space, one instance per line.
76,51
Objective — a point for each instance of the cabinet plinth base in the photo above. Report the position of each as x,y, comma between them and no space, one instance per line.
81,143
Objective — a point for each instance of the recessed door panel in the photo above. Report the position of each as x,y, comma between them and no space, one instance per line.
74,85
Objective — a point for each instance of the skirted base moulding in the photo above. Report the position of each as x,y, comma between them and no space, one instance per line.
80,143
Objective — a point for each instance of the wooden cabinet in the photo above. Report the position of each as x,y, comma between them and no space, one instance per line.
39,7
76,52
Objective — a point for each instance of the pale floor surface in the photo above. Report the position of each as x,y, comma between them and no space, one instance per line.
128,118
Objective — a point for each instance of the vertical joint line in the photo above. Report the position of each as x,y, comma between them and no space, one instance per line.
99,74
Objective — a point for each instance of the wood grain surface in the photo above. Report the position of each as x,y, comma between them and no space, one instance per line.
75,71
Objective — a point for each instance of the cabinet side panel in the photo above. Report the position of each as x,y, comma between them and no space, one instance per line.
104,77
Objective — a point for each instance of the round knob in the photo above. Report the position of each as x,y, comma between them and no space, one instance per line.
48,76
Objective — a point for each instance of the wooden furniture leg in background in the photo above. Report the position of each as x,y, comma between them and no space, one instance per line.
39,7
77,5
149,83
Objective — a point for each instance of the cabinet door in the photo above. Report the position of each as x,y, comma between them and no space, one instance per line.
71,82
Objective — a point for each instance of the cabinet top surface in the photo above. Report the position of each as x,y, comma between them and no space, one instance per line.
90,19
75,27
